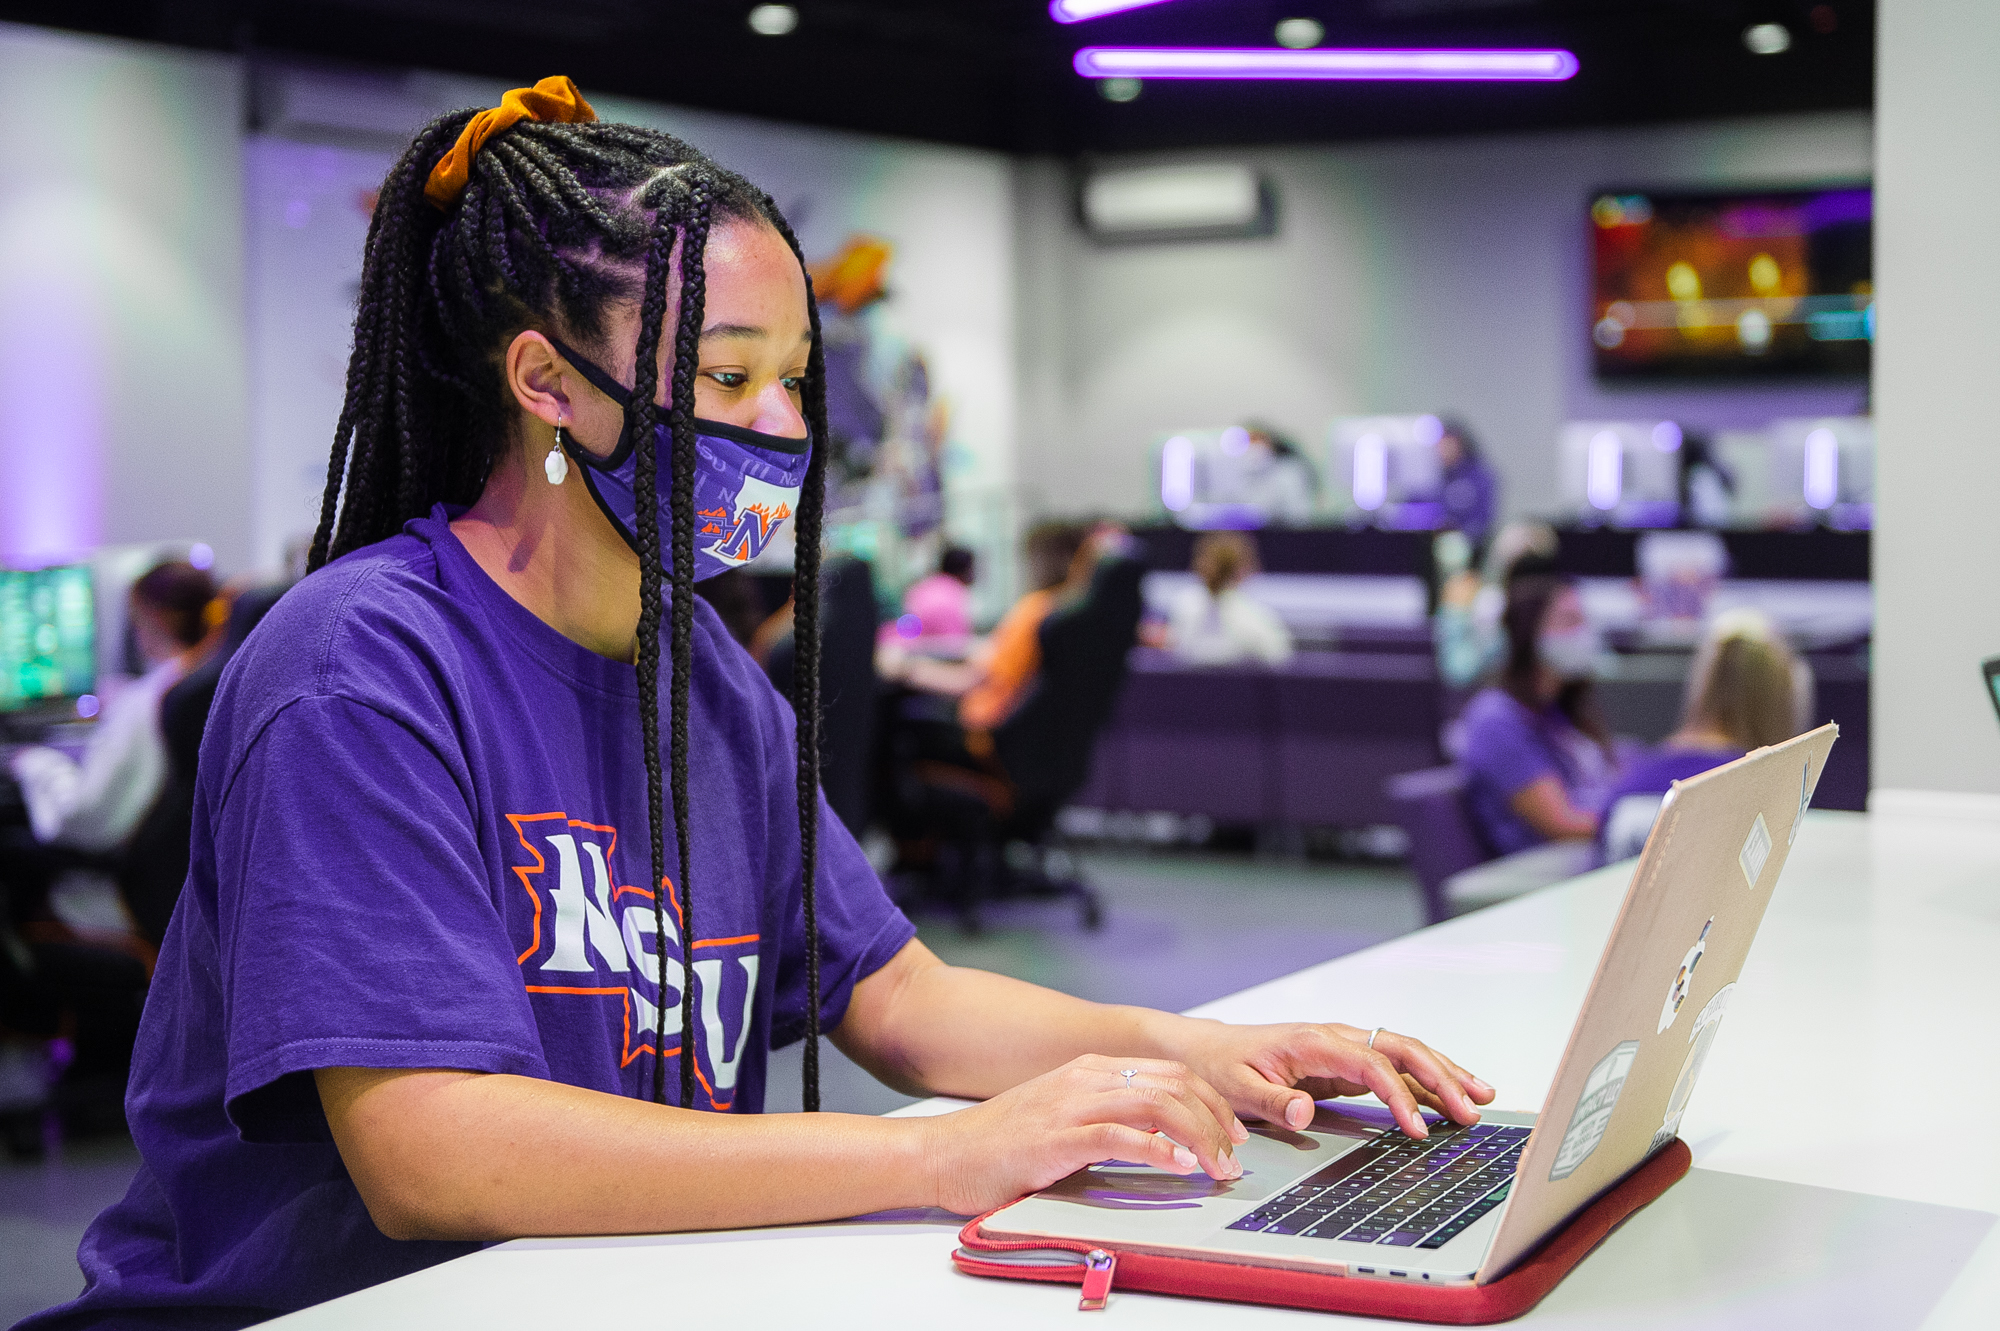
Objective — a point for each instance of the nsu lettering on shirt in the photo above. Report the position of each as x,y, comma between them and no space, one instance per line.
595,939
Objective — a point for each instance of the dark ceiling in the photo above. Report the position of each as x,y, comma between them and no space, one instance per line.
996,73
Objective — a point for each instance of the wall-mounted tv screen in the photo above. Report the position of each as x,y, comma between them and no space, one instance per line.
1772,282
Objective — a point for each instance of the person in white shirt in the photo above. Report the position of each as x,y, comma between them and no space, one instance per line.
1217,623
94,804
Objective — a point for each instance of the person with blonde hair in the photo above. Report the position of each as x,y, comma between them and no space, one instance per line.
1217,623
1747,689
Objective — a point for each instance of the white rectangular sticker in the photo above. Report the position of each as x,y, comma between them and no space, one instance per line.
1756,851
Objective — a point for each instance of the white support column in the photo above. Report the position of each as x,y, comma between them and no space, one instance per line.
1937,395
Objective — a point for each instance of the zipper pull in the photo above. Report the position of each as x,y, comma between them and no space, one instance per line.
1098,1268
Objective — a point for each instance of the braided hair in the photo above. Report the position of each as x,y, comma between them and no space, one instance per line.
558,223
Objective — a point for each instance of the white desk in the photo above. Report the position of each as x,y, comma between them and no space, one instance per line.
1847,1163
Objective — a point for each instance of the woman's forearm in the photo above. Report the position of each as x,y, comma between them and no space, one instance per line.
460,1155
928,1028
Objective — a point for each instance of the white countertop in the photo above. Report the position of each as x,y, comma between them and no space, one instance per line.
1845,1172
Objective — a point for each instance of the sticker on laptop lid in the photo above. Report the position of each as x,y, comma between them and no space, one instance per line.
1700,1037
1756,852
1593,1109
1677,992
1805,799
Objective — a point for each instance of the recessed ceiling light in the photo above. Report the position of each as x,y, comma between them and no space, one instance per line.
773,20
1299,33
1120,90
1768,38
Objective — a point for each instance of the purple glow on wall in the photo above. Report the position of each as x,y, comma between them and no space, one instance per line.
1148,62
52,364
1076,11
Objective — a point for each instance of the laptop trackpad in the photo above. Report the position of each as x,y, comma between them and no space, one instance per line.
1272,1159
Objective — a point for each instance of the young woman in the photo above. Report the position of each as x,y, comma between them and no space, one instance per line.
1537,753
435,979
1216,623
1746,689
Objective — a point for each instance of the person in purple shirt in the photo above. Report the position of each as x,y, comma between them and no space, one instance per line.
1466,485
491,923
1538,758
1746,689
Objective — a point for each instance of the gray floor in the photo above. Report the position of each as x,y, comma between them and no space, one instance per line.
1179,930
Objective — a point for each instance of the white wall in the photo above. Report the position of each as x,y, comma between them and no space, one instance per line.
947,210
1937,536
122,372
1411,276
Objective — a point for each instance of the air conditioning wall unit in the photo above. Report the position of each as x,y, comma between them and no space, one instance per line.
1197,201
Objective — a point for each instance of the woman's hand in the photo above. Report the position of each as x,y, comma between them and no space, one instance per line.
1084,1112
1275,1073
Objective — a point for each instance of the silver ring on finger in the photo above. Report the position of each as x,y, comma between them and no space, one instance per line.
1372,1034
1128,1074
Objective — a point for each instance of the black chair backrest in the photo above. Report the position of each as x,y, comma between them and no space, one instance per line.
154,859
1046,745
847,686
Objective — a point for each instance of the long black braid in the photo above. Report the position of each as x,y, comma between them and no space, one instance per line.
553,221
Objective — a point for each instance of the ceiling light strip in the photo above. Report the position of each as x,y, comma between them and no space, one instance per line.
1076,11
1145,62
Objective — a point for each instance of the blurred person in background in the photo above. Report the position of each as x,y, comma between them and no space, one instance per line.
1538,757
1276,479
94,804
1747,689
1466,485
1216,623
1466,632
994,679
1707,487
941,604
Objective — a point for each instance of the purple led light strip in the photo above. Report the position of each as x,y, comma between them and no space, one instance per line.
1076,11
1152,62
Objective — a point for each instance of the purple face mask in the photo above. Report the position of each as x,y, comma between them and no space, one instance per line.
746,483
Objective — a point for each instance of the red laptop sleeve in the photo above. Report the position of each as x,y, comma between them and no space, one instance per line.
1103,1269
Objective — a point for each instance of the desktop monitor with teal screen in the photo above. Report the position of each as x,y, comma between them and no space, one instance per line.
48,635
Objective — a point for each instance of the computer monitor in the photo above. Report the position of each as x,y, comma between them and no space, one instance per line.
1218,479
48,635
1385,471
1621,473
1823,468
1992,668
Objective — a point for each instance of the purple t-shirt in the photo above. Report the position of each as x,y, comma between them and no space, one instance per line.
1504,748
420,841
1655,771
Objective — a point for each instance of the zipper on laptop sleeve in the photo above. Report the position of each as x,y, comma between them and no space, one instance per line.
1098,1268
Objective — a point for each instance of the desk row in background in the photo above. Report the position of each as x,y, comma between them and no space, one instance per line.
1312,743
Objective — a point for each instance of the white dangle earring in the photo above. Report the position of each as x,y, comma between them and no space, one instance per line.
556,465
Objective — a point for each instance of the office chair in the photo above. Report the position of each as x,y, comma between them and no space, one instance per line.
1430,806
153,863
847,686
991,829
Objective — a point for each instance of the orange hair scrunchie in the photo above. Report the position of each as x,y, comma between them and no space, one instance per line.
555,99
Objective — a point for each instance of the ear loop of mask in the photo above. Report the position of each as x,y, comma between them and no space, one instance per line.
605,384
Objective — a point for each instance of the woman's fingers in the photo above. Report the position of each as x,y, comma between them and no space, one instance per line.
1286,1106
1115,1141
1183,1118
1166,1097
1431,1072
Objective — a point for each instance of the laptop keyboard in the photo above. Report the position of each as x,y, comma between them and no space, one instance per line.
1400,1192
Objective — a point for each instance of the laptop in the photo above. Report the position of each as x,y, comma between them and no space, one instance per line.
1352,1196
